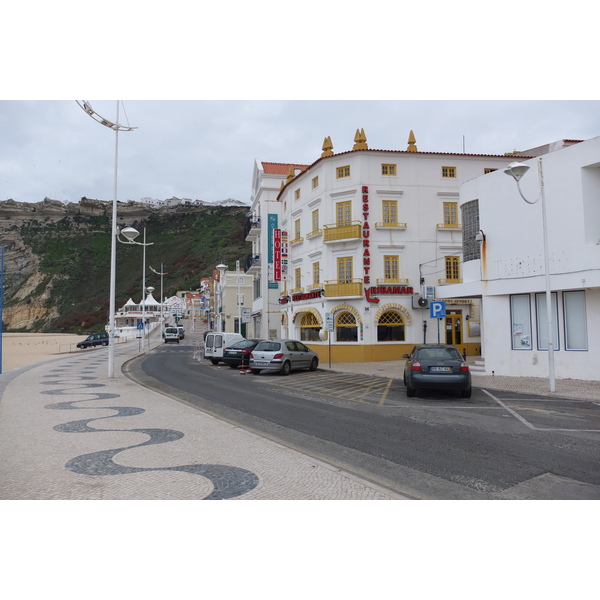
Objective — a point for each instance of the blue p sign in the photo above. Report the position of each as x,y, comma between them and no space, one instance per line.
437,310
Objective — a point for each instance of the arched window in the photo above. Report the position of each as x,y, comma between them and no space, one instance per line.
390,327
309,328
346,328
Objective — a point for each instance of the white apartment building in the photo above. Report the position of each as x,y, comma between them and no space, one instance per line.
504,265
369,232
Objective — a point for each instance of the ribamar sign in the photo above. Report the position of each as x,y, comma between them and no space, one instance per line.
386,289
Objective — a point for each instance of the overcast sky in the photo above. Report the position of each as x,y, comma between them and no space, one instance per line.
206,149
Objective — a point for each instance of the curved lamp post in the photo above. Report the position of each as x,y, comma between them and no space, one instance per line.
116,127
131,233
221,268
516,170
162,274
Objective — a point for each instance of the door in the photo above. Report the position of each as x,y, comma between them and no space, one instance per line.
453,323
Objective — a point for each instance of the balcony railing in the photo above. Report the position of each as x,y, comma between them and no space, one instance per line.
449,226
335,233
396,281
390,225
352,287
252,262
252,228
314,233
296,241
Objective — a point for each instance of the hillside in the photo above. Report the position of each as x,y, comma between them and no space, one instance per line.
57,258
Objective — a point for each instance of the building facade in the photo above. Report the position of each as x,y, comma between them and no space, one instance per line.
504,263
364,235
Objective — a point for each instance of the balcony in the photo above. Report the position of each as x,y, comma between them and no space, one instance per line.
296,241
450,226
400,226
314,233
252,264
396,281
252,229
449,281
335,233
335,288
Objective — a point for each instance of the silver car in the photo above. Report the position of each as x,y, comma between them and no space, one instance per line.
282,356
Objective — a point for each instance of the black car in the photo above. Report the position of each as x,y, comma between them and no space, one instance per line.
436,367
239,353
96,339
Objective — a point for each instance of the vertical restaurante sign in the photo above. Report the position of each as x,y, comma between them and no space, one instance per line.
366,234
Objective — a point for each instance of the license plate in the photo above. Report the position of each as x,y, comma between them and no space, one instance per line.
440,369
261,363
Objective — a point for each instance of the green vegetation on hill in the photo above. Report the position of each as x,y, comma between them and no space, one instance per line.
75,260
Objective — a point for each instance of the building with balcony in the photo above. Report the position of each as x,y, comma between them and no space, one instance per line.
504,263
364,234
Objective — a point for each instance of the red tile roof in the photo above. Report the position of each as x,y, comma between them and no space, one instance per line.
281,168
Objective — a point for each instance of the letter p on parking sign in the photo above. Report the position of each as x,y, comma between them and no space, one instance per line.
437,310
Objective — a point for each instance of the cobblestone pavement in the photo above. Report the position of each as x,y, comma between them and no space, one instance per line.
69,432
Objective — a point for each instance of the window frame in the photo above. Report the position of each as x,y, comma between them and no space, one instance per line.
448,172
388,207
388,169
346,207
342,172
520,322
391,262
345,265
450,214
452,267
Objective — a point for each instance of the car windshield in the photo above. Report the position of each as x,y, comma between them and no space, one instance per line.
172,330
438,354
268,346
244,344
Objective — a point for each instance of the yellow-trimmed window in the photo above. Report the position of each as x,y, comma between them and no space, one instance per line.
297,229
316,274
449,172
452,268
342,172
391,268
390,211
451,214
297,194
315,182
388,169
344,268
297,278
315,220
343,213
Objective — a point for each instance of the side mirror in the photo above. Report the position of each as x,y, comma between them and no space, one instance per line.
405,356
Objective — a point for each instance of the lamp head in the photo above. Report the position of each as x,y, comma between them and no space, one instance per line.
516,170
130,233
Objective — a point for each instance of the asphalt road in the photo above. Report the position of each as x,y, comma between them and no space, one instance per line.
434,446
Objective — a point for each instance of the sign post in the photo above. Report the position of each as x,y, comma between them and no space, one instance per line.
437,310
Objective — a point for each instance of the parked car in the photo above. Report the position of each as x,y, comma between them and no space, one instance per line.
96,339
181,332
283,356
239,353
436,367
171,334
216,342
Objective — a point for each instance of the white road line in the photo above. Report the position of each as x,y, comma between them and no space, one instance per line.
510,410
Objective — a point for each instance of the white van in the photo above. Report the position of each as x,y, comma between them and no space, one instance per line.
216,342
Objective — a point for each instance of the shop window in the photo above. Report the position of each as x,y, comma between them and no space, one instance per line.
346,328
390,327
309,328
575,320
520,315
542,321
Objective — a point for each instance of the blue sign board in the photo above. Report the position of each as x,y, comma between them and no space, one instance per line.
140,325
437,309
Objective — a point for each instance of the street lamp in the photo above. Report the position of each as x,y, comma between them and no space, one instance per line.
516,170
116,127
130,233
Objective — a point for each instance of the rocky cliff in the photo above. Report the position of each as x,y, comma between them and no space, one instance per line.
57,257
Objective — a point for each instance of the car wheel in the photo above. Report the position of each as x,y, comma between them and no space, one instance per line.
286,368
255,371
105,343
410,391
234,366
466,393
314,364
214,362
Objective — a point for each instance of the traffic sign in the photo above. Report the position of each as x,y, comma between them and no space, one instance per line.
437,309
328,321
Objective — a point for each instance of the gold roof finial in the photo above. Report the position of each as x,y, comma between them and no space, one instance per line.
360,140
327,147
291,174
412,140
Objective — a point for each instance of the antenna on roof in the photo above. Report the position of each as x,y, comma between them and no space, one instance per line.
464,152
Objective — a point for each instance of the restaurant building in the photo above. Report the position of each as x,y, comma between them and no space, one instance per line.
349,252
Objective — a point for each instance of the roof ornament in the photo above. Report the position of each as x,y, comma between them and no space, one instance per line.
360,140
327,147
412,141
291,174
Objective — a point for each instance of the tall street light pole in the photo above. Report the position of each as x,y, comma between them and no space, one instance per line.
116,127
516,171
162,274
130,233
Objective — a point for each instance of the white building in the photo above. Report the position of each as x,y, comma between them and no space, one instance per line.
367,231
506,267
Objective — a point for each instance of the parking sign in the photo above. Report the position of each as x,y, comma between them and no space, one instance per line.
437,309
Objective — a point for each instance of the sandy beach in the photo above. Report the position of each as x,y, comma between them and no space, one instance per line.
21,349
